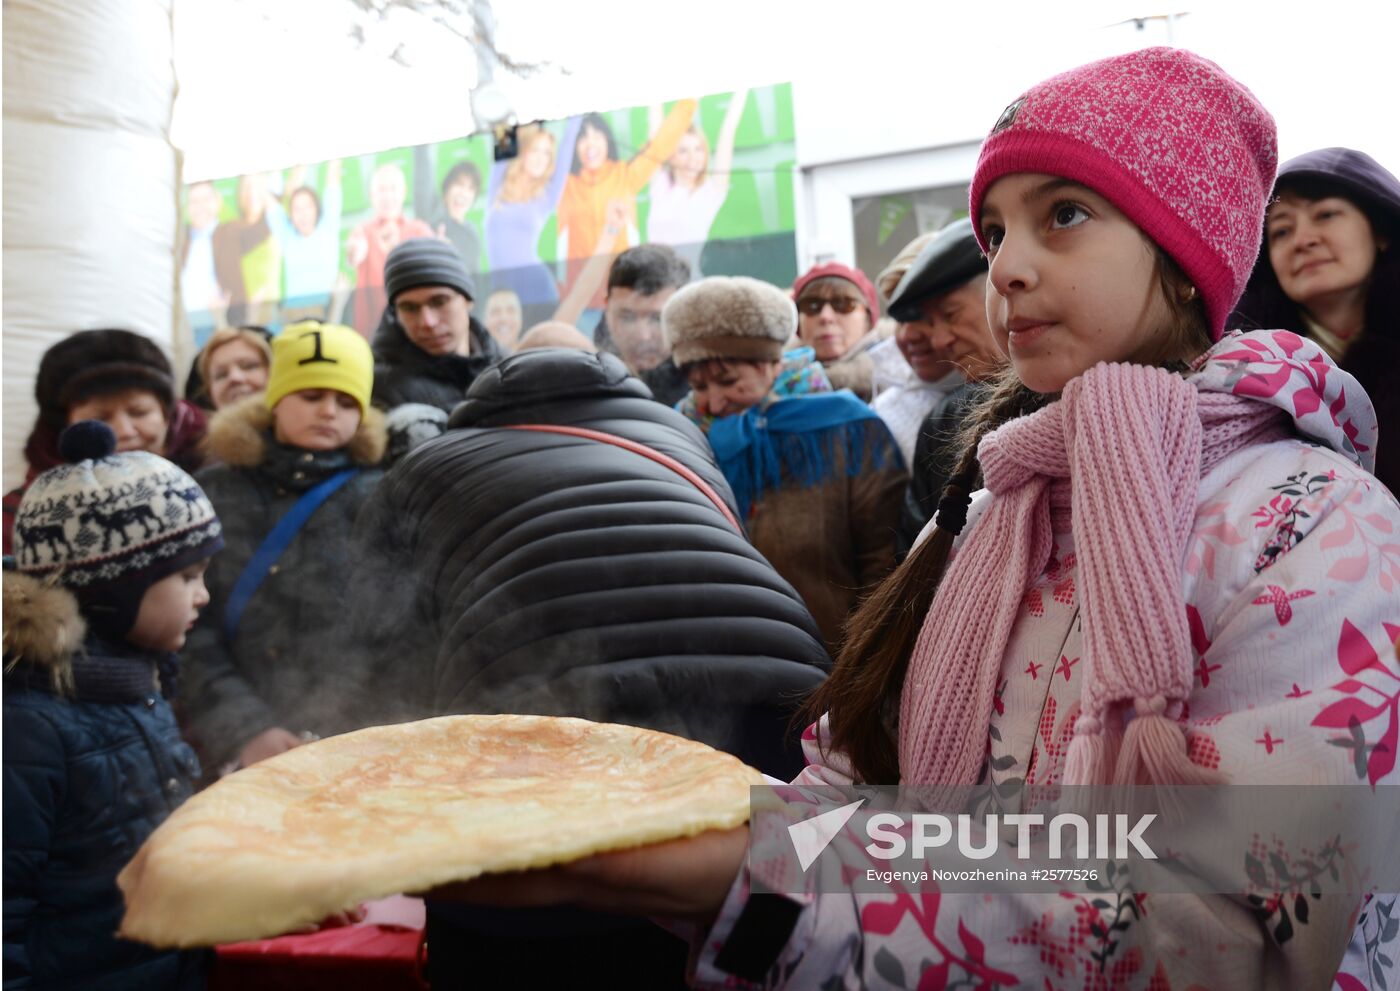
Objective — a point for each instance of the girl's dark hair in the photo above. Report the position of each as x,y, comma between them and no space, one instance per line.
861,697
595,121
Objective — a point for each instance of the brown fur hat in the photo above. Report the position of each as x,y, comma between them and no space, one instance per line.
238,434
731,317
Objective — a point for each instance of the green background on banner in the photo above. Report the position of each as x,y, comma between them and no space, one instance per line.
759,206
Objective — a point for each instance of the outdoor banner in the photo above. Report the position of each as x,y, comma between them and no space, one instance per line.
712,177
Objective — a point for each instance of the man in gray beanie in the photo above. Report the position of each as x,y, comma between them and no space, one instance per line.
428,348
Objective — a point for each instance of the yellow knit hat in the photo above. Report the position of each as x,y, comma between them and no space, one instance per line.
312,355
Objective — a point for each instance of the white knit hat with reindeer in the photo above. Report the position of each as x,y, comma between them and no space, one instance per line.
105,517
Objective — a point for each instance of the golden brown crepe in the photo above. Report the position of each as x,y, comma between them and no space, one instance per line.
319,829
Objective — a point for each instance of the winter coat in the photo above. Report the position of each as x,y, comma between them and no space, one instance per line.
405,373
93,764
1290,582
517,571
1374,356
278,670
818,477
935,457
183,446
835,541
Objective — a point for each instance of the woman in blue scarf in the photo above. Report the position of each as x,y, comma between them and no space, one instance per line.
817,475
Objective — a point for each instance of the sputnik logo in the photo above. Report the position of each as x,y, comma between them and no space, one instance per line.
811,836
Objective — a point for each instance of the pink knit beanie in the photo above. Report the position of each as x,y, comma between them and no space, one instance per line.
1185,151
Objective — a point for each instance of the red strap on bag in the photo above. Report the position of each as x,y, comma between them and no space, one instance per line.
647,452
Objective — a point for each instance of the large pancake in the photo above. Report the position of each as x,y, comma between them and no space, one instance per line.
319,829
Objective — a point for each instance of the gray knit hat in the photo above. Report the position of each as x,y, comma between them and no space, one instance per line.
426,261
728,317
108,526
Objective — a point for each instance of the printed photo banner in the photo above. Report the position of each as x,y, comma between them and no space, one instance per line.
712,177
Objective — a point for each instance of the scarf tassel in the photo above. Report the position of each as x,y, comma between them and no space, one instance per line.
1152,751
1088,758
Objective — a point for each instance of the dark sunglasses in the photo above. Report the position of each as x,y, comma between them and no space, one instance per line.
812,305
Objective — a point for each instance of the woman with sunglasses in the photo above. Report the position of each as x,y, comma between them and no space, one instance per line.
836,309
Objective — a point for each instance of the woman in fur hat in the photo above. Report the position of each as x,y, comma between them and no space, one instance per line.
121,378
259,674
816,473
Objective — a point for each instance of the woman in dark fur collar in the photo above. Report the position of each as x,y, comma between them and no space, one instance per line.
260,675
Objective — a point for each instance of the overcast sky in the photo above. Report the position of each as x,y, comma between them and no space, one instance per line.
268,83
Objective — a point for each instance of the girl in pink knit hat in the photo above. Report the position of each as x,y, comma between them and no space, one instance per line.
1162,560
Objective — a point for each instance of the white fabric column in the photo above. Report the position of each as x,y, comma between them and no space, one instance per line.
90,184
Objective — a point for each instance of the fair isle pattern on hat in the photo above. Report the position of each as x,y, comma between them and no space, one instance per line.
1185,151
111,518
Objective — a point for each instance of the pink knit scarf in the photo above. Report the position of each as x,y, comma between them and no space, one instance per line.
1122,452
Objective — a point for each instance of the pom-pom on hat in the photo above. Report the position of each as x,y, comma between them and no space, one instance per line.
426,261
313,355
108,526
1185,151
728,317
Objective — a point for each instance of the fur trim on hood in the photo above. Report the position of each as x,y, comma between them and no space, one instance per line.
43,627
238,435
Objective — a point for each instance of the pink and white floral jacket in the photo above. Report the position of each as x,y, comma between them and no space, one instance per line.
1292,585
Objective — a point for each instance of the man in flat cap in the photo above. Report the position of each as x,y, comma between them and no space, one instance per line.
943,293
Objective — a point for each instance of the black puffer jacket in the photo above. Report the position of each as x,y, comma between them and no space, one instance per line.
405,373
516,571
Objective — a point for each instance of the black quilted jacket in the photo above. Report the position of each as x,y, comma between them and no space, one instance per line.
513,571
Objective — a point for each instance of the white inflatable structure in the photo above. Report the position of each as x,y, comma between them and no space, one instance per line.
91,185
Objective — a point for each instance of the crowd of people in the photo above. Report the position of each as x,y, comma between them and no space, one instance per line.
995,515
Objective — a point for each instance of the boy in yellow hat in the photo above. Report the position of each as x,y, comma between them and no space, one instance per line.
297,462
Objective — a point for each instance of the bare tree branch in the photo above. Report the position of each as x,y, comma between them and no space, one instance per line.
457,16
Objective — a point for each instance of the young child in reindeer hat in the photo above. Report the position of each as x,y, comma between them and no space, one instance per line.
297,462
108,576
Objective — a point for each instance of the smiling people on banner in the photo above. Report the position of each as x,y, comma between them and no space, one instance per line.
307,228
370,243
521,195
688,191
247,257
598,177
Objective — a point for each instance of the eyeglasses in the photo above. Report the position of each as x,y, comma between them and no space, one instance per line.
812,305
